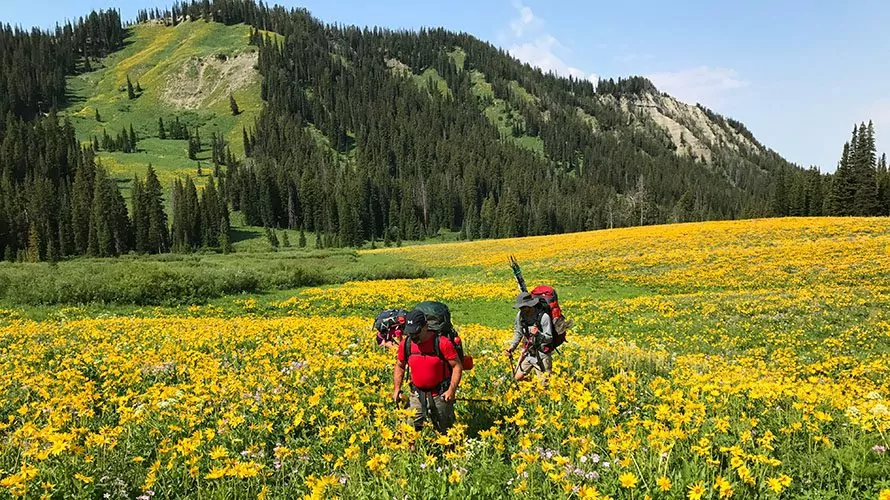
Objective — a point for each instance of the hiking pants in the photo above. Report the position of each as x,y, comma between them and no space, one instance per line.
537,361
440,412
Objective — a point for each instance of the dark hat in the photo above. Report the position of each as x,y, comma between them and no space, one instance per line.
525,299
414,321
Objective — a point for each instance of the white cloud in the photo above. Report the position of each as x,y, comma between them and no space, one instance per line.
702,84
526,19
540,51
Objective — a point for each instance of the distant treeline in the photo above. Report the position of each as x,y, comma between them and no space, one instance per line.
347,147
403,161
57,201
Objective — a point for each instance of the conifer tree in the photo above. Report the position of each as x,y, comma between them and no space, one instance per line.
140,217
843,188
131,94
158,238
132,139
865,198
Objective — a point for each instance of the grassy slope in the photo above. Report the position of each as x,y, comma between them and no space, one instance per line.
499,112
155,56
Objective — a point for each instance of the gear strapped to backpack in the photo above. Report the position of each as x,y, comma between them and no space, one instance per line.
548,303
438,318
389,325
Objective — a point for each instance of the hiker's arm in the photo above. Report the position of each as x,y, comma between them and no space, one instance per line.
546,332
398,375
517,334
456,371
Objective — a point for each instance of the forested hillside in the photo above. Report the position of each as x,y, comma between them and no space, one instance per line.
357,135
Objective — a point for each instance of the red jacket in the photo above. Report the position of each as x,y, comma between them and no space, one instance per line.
428,371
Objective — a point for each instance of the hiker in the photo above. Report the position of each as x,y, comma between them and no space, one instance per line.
389,325
435,372
534,326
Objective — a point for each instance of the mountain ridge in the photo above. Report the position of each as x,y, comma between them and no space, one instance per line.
356,135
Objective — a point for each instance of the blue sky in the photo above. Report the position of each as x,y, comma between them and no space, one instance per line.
798,73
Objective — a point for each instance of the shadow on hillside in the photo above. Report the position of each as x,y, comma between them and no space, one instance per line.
237,235
72,98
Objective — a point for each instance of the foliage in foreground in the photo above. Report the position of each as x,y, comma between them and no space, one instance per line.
772,385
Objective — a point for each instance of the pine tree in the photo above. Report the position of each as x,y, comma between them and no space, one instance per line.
285,240
865,201
34,243
140,217
110,231
272,238
233,105
131,94
225,242
883,187
162,134
302,242
98,118
132,139
138,87
816,193
843,188
82,205
248,150
158,237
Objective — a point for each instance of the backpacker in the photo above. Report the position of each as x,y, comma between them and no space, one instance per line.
438,318
550,305
389,325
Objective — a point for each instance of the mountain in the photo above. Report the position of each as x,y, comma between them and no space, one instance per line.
365,134
185,73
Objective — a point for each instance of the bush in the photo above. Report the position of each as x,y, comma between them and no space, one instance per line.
172,279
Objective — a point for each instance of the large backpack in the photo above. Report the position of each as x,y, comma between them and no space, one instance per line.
438,318
549,303
389,324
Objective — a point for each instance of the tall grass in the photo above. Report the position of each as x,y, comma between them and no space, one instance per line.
188,279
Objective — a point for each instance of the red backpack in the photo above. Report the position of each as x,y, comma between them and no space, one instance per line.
550,303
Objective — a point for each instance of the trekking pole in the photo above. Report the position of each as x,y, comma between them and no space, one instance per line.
517,273
475,400
513,368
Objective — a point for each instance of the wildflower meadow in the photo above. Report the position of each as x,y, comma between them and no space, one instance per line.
746,359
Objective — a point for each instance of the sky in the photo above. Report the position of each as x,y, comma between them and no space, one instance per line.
799,74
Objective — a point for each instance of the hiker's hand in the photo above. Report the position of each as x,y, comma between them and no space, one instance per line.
508,352
533,329
448,396
397,397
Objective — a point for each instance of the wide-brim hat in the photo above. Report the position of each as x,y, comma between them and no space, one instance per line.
525,299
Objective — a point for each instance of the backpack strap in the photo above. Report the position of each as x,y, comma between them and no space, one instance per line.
437,349
406,349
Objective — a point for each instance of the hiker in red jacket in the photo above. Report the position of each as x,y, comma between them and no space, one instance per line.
435,372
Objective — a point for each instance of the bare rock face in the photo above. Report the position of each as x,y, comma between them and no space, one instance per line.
204,81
